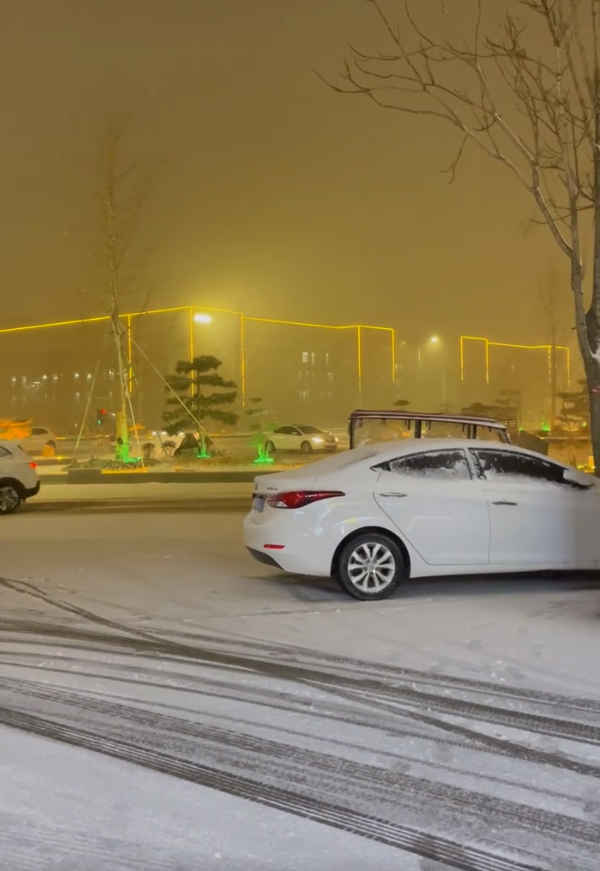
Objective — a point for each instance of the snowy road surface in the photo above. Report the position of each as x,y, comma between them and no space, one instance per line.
166,703
143,498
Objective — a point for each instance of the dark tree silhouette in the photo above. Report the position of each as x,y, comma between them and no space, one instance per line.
201,391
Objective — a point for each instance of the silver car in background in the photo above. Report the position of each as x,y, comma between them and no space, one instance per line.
301,438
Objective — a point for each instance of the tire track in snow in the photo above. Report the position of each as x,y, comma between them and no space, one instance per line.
355,690
249,751
460,736
133,637
571,730
407,838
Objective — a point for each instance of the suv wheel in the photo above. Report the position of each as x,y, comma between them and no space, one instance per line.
371,566
10,498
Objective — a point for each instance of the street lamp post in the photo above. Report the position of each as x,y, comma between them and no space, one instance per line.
198,318
431,342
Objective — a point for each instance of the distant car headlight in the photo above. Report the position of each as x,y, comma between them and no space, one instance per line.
317,440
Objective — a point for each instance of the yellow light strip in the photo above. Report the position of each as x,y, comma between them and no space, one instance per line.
359,363
55,324
488,344
297,323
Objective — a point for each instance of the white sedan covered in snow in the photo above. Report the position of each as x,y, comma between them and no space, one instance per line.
377,515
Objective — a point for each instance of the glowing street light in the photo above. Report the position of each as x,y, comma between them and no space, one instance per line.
202,319
434,340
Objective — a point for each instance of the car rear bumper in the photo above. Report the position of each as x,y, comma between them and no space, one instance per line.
28,492
262,556
295,550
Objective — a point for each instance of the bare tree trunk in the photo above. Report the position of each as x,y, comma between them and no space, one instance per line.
115,250
121,419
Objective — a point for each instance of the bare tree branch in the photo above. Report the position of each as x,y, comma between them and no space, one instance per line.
528,96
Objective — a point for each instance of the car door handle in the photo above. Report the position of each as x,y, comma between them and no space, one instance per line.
503,502
397,495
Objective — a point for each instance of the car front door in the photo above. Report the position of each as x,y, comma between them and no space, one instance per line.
438,506
537,517
296,438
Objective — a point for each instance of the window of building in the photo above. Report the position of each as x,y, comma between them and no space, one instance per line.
305,356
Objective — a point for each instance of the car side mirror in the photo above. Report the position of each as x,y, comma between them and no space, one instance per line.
579,480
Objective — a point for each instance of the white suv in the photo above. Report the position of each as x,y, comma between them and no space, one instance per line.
39,438
18,477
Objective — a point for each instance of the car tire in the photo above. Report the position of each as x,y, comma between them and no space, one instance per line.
381,580
306,448
269,447
10,498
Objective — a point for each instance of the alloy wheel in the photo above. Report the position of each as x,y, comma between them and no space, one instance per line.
371,567
9,499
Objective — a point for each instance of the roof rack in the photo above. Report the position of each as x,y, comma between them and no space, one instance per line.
469,422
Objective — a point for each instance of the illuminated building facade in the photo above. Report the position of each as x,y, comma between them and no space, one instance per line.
57,374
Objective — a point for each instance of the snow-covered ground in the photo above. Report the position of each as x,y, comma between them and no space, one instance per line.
167,703
142,491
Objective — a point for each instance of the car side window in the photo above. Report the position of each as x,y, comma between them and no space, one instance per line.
38,430
448,465
283,430
515,467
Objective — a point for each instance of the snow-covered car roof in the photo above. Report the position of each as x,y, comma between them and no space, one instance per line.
379,452
404,447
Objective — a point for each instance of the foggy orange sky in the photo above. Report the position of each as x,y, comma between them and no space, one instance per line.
275,195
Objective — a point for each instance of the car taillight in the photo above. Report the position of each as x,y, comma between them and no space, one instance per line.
300,498
33,465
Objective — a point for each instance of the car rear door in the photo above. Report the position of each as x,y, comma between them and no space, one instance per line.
537,518
438,506
281,438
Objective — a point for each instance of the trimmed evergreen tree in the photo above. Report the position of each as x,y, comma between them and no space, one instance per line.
202,391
